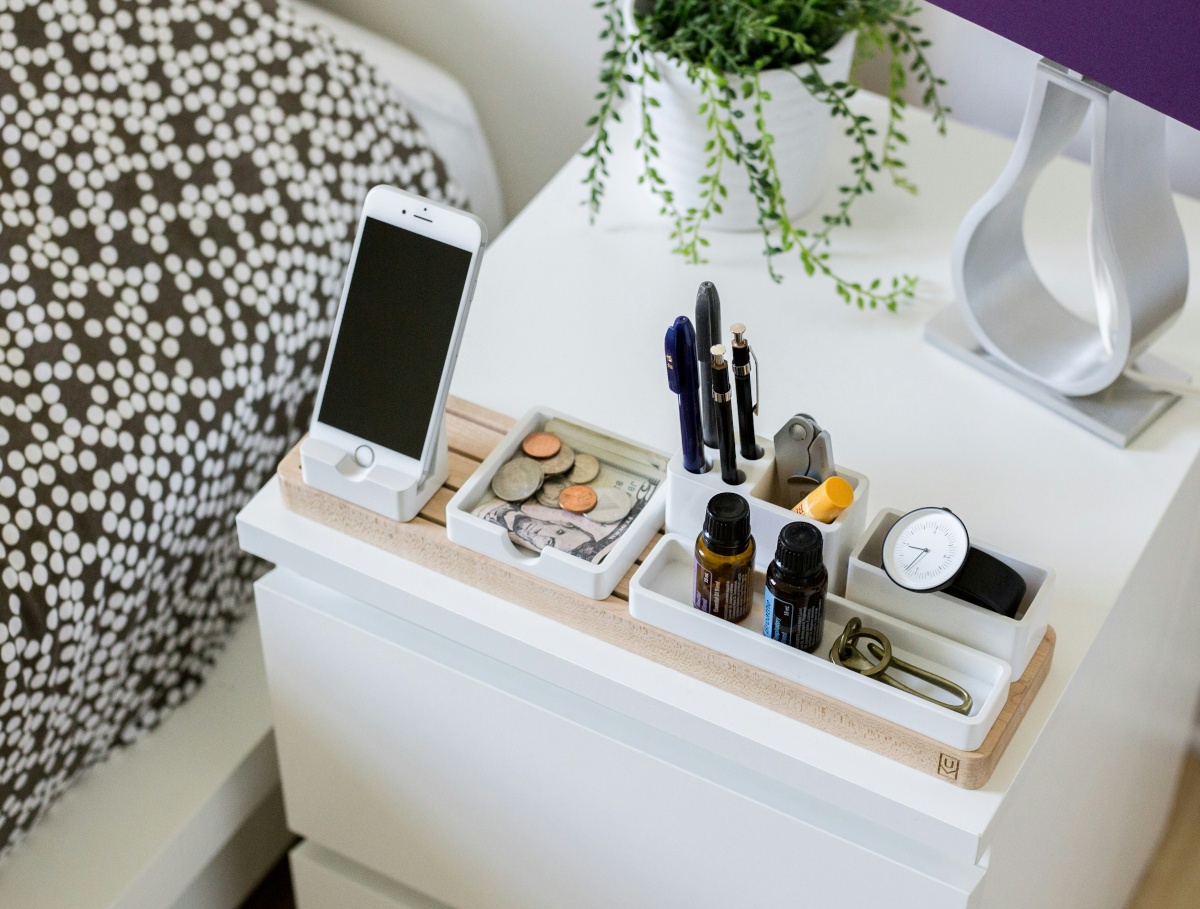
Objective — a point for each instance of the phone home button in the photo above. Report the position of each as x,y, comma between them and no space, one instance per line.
364,456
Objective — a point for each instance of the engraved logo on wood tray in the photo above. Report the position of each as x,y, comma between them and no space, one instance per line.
948,766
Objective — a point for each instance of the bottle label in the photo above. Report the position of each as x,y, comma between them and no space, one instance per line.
769,614
810,624
723,594
702,590
797,625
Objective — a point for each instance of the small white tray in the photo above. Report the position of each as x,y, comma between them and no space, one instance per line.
660,594
688,495
591,579
1013,640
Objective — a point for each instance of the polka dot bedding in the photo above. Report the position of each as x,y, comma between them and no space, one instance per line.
179,187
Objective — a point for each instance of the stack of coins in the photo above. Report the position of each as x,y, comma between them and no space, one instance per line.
558,476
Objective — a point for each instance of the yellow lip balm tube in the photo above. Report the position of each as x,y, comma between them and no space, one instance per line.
827,501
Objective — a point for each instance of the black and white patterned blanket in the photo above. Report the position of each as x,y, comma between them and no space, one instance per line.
179,186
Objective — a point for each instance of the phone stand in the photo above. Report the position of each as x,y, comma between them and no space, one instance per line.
383,490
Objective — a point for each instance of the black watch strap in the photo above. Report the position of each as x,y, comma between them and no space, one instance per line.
986,581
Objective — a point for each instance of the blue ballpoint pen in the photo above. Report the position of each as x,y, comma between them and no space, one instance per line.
684,379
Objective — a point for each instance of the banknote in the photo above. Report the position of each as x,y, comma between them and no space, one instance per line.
533,526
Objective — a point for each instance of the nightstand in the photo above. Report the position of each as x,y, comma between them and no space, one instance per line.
439,742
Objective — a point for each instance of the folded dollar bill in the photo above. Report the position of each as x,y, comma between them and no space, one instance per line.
629,468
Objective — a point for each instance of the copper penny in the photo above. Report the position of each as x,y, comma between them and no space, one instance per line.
579,499
541,445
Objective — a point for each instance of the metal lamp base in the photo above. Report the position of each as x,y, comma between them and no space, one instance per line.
1118,414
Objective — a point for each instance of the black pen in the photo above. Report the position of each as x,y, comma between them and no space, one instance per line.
708,333
746,408
723,409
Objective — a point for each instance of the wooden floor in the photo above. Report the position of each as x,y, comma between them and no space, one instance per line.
1172,881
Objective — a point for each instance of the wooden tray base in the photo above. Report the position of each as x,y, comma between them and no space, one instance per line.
473,432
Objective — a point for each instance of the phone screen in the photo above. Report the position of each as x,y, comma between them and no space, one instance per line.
394,337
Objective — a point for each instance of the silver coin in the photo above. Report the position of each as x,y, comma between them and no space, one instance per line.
548,494
586,469
560,462
612,505
517,480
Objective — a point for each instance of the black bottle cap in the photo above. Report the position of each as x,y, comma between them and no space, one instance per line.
799,549
727,523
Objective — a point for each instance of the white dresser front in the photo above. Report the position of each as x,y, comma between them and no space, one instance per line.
486,787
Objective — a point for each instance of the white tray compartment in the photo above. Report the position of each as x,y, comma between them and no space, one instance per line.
1013,640
660,594
688,495
590,579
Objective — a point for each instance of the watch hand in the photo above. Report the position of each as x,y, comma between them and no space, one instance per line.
918,548
917,559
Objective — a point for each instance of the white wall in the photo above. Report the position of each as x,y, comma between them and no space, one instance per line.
989,79
529,65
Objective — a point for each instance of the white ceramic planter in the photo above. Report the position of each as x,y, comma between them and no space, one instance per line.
801,125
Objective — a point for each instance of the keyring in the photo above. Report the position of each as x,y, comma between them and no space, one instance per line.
844,653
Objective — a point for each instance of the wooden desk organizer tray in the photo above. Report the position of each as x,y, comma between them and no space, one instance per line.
473,433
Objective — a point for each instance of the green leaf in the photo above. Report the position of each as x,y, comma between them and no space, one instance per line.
723,46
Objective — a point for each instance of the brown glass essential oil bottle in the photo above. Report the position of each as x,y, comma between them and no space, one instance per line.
724,579
794,601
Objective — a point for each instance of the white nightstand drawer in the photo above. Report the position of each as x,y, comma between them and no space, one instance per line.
487,787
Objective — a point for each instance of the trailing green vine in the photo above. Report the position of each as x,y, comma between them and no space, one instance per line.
724,46
613,76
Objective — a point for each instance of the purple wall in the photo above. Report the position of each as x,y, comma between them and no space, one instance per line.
1148,51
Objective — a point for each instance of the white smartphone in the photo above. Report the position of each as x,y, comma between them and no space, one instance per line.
396,336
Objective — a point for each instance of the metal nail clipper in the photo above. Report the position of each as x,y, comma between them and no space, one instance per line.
803,451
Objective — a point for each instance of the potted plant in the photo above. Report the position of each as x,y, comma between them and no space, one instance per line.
741,68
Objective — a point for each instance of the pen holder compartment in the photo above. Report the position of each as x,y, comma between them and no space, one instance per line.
660,594
770,508
590,578
1013,640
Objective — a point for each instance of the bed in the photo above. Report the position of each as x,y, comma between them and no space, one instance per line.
188,813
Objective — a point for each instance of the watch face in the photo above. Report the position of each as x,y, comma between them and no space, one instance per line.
925,549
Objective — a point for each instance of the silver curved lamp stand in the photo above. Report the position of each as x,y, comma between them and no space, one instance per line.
1008,323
